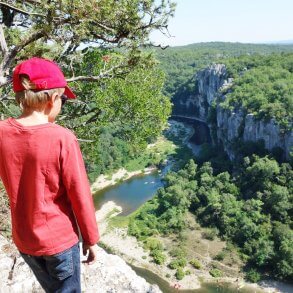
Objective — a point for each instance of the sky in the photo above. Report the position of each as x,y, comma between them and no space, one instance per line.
245,21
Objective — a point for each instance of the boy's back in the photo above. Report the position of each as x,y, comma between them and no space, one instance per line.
44,175
43,172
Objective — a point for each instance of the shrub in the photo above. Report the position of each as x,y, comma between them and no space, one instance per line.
216,273
220,256
153,244
253,276
210,234
178,252
179,274
178,263
158,256
196,264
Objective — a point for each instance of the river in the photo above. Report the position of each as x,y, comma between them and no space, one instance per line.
132,193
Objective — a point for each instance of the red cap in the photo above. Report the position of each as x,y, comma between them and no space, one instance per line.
43,73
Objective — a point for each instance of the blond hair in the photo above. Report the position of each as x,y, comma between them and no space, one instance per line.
35,100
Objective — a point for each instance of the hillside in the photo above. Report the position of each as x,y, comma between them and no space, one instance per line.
180,64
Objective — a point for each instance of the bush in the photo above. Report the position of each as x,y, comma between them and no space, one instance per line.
179,274
196,264
220,256
178,252
216,273
253,276
178,263
158,256
153,244
210,234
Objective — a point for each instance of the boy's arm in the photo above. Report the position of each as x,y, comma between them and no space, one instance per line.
78,190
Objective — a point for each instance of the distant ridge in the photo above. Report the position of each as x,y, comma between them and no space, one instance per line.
284,42
241,44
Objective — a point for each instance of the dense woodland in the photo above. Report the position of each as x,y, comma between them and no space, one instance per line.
262,85
252,208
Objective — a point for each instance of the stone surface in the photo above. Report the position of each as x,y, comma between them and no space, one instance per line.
235,124
109,274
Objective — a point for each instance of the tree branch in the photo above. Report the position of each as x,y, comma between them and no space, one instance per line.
9,57
97,77
4,48
21,10
4,81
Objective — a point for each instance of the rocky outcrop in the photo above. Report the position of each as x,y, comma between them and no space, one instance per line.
209,82
235,124
108,274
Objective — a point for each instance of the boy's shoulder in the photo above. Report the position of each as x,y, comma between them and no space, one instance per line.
63,132
51,130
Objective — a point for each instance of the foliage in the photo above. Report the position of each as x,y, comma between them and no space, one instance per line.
181,65
179,274
177,263
220,256
117,83
196,264
216,273
262,86
210,234
253,276
58,29
153,244
178,251
158,256
252,208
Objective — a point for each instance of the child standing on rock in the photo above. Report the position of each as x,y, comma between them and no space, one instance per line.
43,172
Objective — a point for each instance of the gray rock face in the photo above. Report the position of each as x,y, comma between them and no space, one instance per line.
270,132
209,81
109,274
232,124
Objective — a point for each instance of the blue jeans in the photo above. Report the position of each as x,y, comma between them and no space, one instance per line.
59,272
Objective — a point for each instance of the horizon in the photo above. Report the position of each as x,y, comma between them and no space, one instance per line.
272,43
249,22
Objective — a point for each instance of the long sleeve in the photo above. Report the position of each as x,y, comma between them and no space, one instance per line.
77,186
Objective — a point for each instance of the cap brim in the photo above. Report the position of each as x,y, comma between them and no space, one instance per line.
68,93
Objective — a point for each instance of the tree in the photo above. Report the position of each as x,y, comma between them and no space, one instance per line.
33,27
99,45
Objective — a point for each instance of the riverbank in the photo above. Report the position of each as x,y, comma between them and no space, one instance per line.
122,174
127,247
161,148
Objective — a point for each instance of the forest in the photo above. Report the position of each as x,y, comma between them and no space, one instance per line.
251,208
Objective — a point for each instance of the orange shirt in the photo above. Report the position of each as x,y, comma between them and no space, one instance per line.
43,172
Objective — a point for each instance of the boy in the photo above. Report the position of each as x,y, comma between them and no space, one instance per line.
44,175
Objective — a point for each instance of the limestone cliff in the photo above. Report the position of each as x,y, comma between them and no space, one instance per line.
230,125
